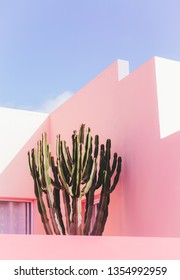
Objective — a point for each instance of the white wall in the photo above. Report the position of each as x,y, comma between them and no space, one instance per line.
16,128
168,90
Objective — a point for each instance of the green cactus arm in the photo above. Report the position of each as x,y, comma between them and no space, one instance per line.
76,216
81,133
105,199
108,150
79,160
78,166
66,157
74,145
56,183
105,216
38,193
34,162
67,209
102,166
75,156
69,156
116,178
57,207
63,178
76,222
102,206
88,151
89,211
58,146
96,145
42,209
100,215
78,170
78,156
40,166
87,173
56,194
30,163
46,160
114,164
61,173
89,183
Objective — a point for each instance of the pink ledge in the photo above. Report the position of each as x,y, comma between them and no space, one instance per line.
41,247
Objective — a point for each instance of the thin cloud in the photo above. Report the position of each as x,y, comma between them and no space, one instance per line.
51,104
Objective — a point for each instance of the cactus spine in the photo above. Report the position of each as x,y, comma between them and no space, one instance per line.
74,176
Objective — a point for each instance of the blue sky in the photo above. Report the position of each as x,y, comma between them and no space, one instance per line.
50,49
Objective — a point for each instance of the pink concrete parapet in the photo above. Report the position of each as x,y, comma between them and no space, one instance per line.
38,247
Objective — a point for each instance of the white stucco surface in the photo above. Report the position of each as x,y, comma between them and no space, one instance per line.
16,128
168,91
123,68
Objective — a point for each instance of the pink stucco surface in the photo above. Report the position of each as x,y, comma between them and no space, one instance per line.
146,202
38,247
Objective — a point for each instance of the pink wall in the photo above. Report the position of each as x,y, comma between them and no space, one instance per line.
146,202
94,106
38,247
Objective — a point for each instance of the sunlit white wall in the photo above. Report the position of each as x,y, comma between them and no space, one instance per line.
168,91
123,68
16,127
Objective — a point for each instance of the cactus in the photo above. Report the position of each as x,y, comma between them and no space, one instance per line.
74,176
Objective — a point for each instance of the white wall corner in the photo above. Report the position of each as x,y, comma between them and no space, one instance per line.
18,125
123,68
168,93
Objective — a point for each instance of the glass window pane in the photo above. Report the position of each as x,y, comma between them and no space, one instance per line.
15,217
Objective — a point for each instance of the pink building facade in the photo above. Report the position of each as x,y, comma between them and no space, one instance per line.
139,113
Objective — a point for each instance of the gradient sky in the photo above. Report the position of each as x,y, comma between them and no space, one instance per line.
50,48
